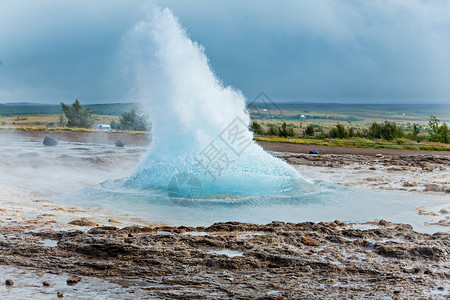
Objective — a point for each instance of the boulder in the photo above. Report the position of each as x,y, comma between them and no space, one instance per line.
314,151
49,141
119,143
82,222
9,282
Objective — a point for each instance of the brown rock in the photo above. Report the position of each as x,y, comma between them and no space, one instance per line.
309,241
82,222
383,222
45,283
9,282
102,229
60,294
73,280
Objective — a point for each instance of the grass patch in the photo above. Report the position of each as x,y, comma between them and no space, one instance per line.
400,144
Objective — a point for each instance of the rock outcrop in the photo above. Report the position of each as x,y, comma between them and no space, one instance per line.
49,141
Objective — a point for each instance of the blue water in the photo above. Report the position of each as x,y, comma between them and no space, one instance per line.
328,202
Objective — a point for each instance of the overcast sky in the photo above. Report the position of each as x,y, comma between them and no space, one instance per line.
328,51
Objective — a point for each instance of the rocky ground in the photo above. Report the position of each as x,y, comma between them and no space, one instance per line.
416,173
424,174
236,260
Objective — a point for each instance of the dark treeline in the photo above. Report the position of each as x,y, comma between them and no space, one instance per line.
385,131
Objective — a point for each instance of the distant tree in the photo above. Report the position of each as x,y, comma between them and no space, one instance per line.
114,125
433,129
444,135
438,133
342,133
414,131
351,132
62,120
133,121
374,131
282,132
338,132
77,116
386,131
290,131
390,131
285,131
272,130
309,130
256,128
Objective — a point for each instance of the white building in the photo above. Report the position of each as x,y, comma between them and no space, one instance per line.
104,127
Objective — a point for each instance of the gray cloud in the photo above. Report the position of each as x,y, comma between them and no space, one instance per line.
60,50
327,50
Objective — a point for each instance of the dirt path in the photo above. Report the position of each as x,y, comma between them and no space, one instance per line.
301,148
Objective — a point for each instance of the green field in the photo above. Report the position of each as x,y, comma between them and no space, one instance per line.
297,116
359,116
44,117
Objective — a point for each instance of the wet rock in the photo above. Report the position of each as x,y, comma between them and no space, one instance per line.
435,253
434,188
82,222
9,282
309,241
136,229
119,144
73,280
409,184
246,261
49,141
103,229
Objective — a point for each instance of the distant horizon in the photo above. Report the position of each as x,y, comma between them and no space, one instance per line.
247,102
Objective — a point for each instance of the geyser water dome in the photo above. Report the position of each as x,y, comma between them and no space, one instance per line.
200,130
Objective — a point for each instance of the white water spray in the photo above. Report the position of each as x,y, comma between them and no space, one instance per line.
199,126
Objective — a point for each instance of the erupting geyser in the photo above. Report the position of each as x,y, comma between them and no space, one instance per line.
199,127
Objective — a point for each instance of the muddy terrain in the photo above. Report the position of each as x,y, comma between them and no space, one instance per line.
418,173
237,260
